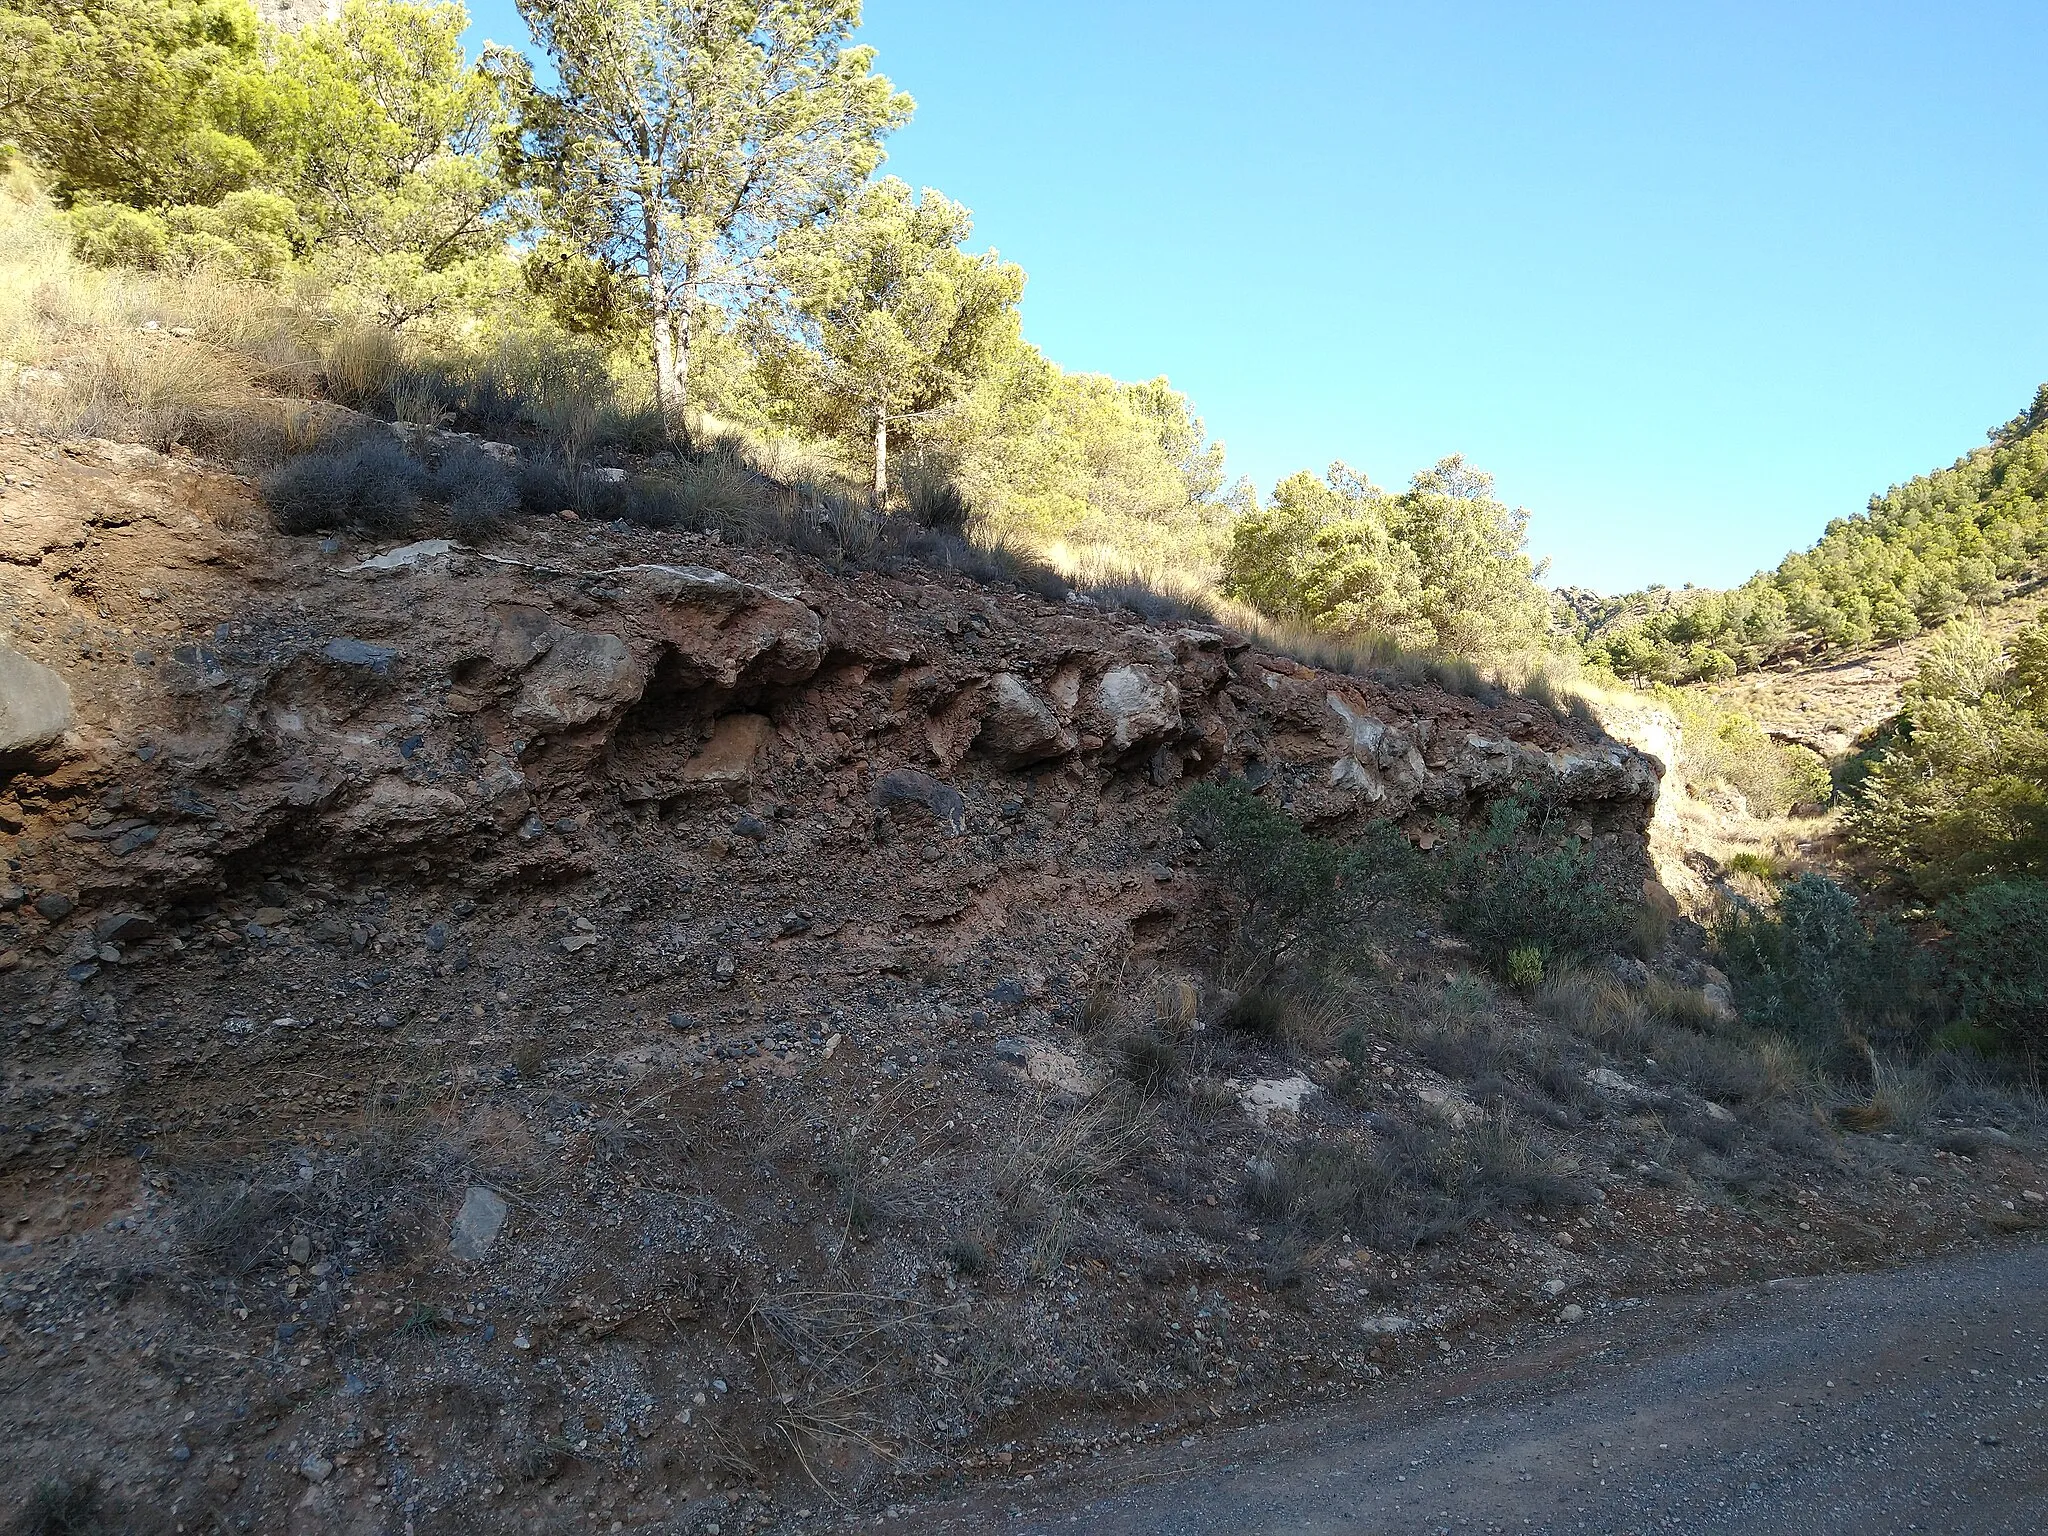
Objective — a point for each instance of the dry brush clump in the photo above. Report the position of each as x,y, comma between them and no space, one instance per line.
1410,1184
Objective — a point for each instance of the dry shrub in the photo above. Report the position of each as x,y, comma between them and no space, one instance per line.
1412,1185
1068,1155
159,393
1597,1008
1686,1007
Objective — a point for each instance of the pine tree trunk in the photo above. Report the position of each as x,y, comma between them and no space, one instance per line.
881,493
686,304
668,384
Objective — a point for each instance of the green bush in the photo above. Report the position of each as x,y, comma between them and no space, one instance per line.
1294,894
1817,969
1511,886
1959,791
1997,959
110,235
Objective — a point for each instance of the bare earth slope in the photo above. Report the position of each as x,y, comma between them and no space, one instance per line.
619,1028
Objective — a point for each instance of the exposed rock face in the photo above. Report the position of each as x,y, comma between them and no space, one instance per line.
465,709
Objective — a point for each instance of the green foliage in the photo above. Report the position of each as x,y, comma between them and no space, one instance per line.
1512,886
681,142
1295,894
1817,969
1961,791
1997,959
111,235
367,139
132,101
1722,744
1919,555
892,320
1085,461
1525,967
1439,565
387,142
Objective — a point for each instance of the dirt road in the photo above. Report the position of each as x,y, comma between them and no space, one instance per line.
1910,1401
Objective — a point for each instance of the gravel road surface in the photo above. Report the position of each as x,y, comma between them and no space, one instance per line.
1915,1400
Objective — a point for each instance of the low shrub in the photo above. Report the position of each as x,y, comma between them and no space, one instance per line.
1599,1009
1996,959
1294,893
933,500
114,235
370,485
1150,1060
1261,1012
1510,886
1668,1002
1816,969
66,1506
480,493
1412,1186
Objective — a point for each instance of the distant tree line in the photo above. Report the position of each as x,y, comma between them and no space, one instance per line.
1921,554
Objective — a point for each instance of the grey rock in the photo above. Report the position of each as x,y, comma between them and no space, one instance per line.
583,676
35,703
125,928
1132,706
377,660
1020,728
1013,1052
478,1223
406,556
316,1468
134,838
901,787
436,938
1627,970
194,667
53,906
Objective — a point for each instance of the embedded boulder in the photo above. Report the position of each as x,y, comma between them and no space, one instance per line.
35,704
583,676
1131,707
1020,728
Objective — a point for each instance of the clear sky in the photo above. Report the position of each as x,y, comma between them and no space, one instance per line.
1690,280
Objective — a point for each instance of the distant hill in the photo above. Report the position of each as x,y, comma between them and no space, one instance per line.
1973,534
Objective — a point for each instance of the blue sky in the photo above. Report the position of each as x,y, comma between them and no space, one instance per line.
1690,280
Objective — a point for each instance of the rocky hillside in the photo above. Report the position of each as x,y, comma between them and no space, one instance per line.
613,1030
